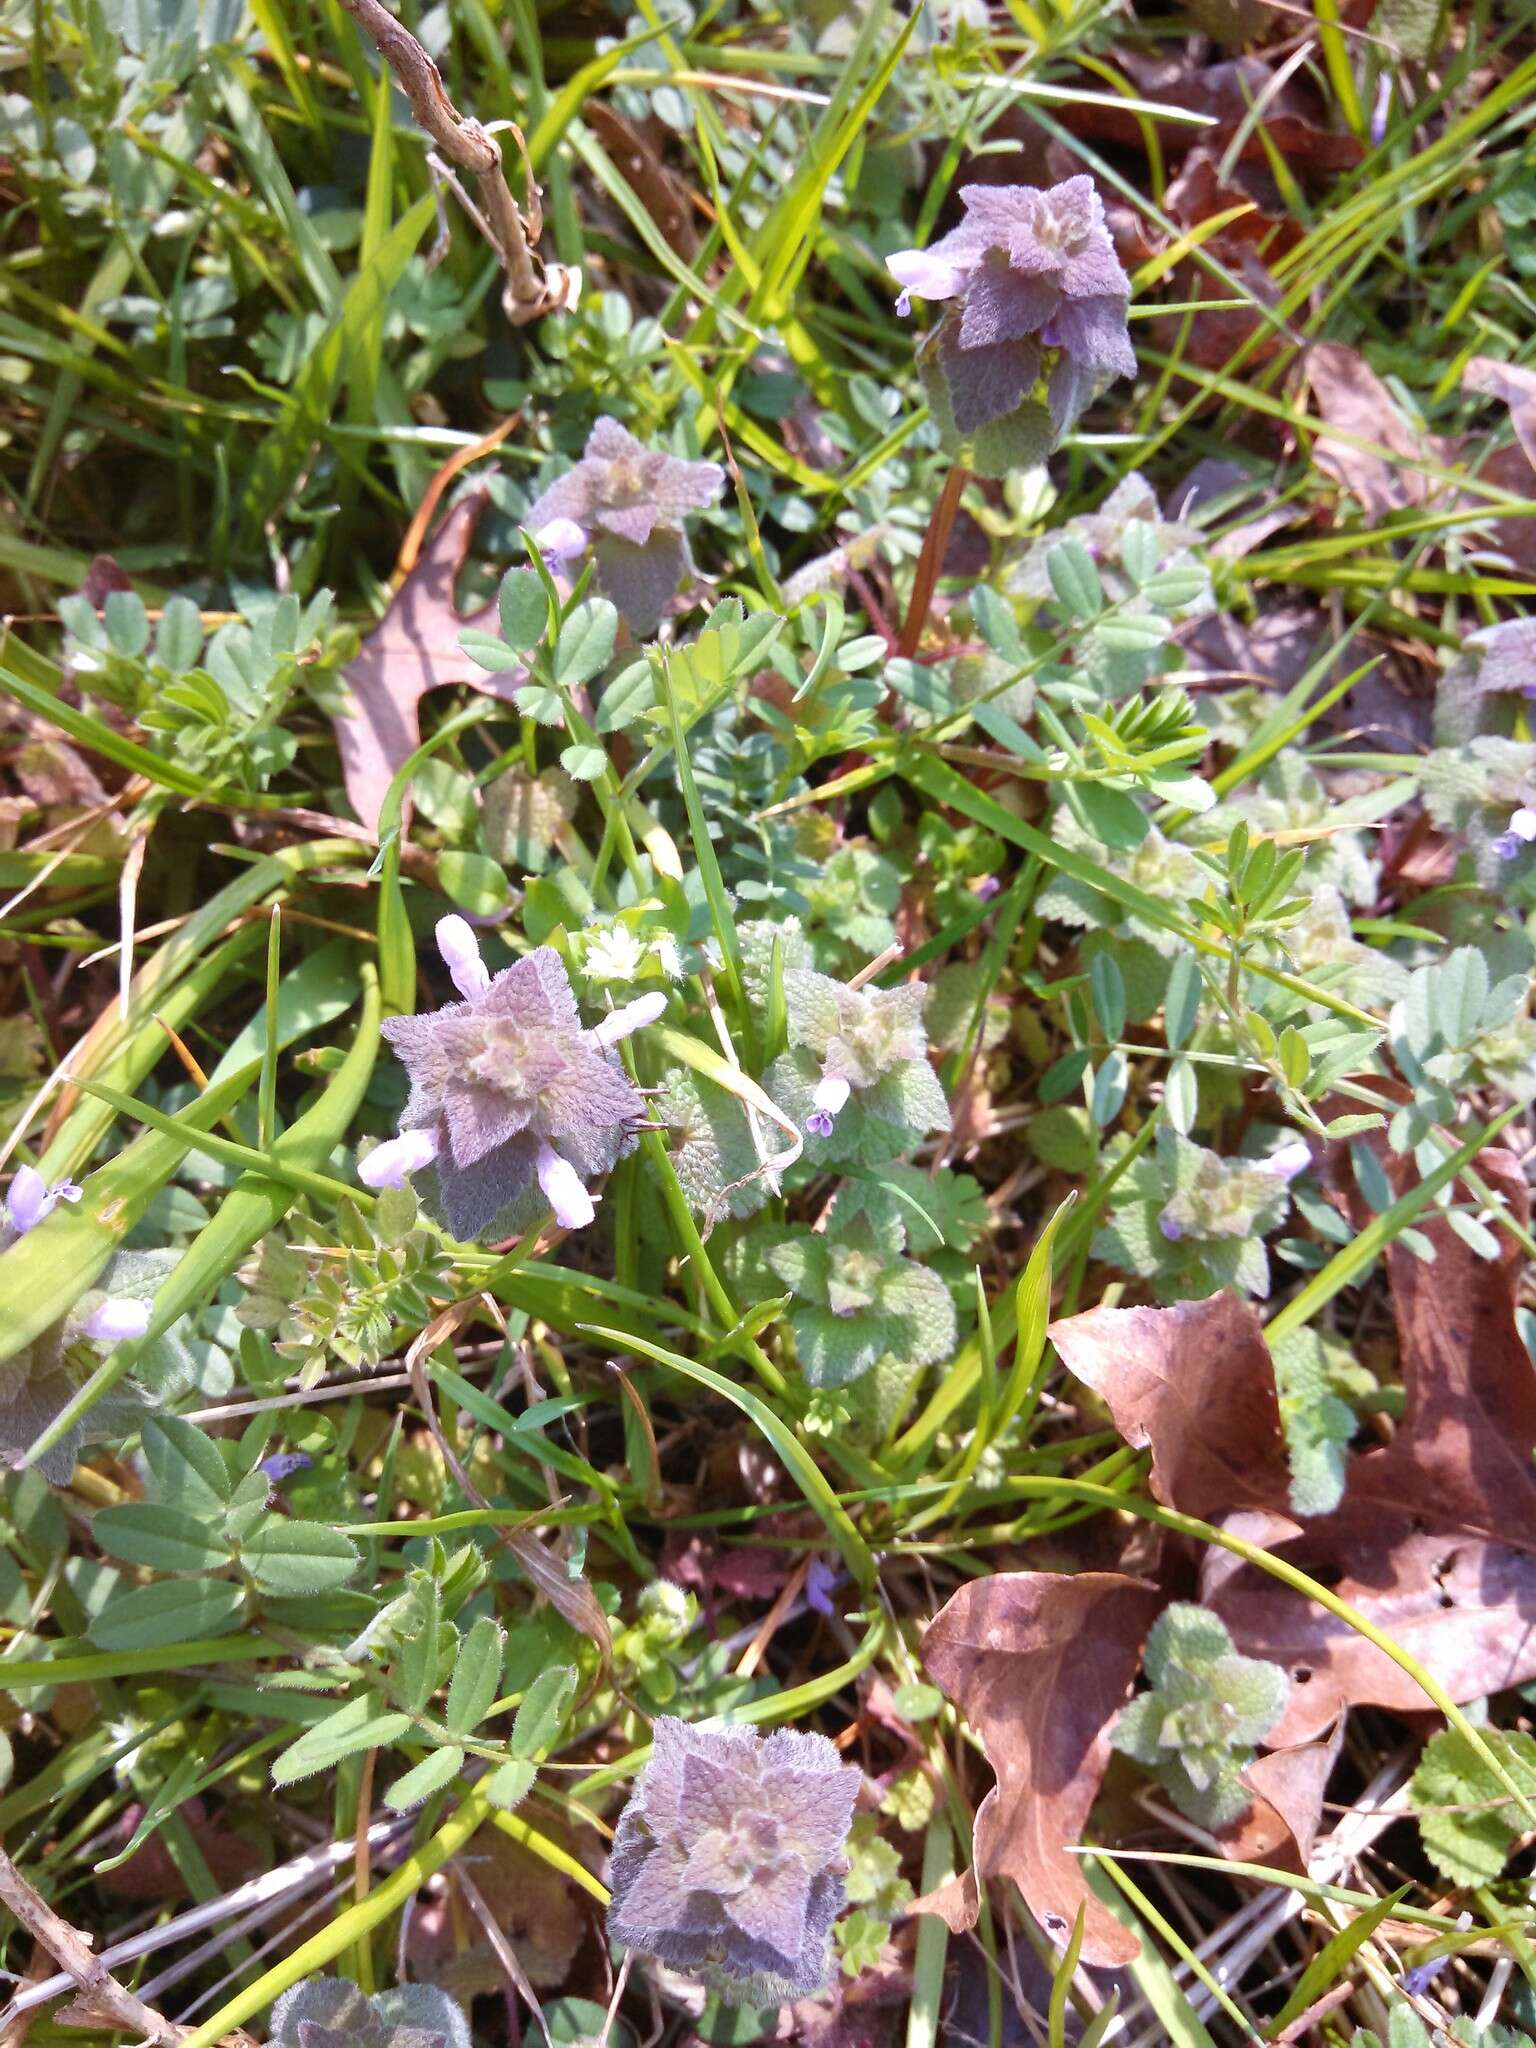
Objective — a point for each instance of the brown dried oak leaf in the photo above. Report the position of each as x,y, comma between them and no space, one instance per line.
1039,1664
413,649
1196,1383
1435,1539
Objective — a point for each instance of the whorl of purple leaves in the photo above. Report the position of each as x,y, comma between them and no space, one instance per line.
1036,291
627,503
504,1078
330,2012
728,1863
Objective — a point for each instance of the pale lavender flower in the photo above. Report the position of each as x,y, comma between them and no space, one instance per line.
1381,110
1037,291
627,502
1517,835
727,1861
389,1165
117,1320
1288,1161
832,1093
30,1199
561,540
508,1091
1170,1226
821,1582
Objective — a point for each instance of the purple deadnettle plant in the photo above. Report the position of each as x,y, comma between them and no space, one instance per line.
509,1090
1035,292
627,503
728,1863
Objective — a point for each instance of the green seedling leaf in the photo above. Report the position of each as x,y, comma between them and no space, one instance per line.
523,606
542,1713
585,645
165,1539
1074,579
357,1725
476,1676
171,1612
189,1467
429,1776
290,1558
509,1784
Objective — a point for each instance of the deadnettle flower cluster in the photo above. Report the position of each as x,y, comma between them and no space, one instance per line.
866,1039
727,1861
1036,291
1230,1197
509,1090
36,1382
627,503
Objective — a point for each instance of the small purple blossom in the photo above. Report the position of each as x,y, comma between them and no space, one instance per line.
988,887
117,1320
561,540
727,1861
389,1165
627,502
1289,1160
820,1582
1381,109
283,1464
832,1093
1517,835
1171,1228
509,1092
30,1199
1032,275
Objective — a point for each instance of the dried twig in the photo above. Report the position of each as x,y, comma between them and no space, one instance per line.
100,1999
533,287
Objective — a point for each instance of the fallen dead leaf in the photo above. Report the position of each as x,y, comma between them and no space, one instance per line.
413,649
1517,389
1464,1449
1463,1606
1389,475
1288,1786
1039,1664
1196,1383
1435,1539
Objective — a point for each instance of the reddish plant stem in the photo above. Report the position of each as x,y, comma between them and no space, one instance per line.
935,545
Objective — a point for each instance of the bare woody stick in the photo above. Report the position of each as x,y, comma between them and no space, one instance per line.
100,2000
533,287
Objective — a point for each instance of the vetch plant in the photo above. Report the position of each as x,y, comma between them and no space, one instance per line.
1206,1710
626,503
510,1091
727,1860
1037,294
